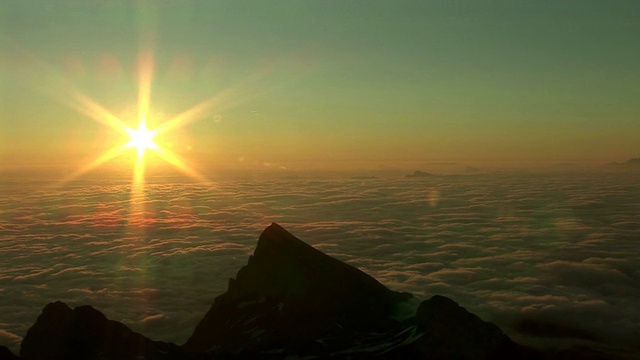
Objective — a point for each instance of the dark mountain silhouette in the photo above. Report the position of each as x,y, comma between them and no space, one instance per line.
292,298
85,333
6,354
289,301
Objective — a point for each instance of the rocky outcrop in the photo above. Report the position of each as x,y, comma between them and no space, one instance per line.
62,333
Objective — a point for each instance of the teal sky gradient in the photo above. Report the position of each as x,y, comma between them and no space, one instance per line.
320,83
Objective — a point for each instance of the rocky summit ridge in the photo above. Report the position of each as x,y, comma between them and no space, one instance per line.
289,301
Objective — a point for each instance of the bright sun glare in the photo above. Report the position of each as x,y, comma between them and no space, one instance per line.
141,138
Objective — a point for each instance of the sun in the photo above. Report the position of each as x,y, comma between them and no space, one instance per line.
141,139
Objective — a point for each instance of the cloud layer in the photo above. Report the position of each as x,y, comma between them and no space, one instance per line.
535,254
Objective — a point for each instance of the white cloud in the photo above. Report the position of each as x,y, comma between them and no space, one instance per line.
12,341
563,250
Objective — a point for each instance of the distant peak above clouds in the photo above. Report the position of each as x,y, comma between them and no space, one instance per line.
634,162
631,164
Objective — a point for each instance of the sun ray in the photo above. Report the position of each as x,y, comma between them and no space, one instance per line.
105,157
65,92
136,201
138,169
174,160
96,112
187,116
145,69
199,110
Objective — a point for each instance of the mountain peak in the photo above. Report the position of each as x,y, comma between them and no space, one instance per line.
283,264
275,231
276,240
283,279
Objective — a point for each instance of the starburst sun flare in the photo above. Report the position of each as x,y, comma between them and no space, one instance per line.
139,138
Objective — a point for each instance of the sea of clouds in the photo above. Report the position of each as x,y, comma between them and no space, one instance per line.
549,258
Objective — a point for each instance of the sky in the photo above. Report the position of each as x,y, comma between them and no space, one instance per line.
321,84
